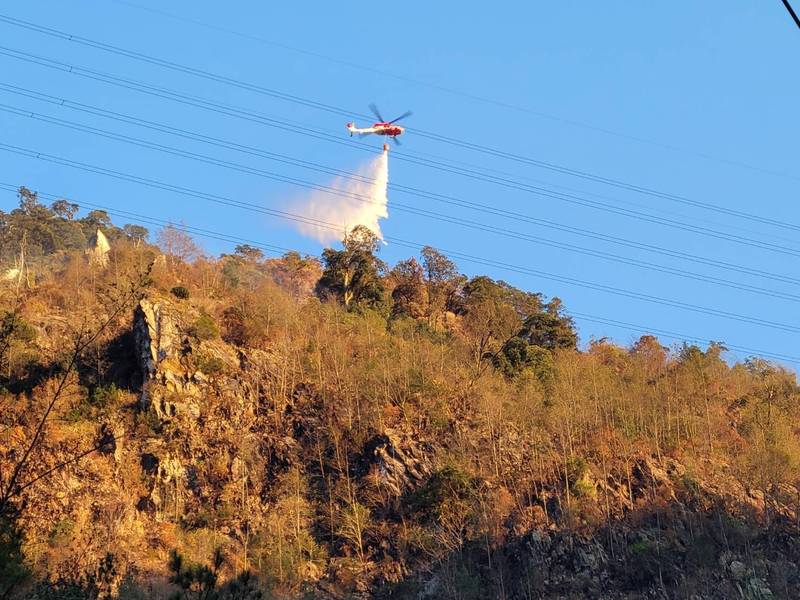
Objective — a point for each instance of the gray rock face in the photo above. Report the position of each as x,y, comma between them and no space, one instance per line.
156,334
98,249
399,462
738,569
157,340
172,385
179,397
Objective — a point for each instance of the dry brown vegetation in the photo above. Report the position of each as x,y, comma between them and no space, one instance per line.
339,429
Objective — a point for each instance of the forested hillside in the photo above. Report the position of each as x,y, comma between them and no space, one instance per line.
179,425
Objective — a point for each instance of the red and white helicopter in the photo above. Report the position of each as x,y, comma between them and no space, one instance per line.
382,127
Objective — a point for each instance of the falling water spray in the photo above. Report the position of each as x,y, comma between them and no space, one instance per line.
358,200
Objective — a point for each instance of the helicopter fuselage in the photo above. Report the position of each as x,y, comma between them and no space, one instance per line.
380,128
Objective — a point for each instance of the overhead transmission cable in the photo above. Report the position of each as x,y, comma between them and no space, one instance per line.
250,116
412,191
259,89
422,159
400,242
406,208
448,90
139,219
793,14
277,250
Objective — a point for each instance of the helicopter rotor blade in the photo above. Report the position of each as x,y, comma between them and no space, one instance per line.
408,113
376,112
396,141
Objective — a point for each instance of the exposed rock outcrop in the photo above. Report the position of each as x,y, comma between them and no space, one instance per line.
171,359
398,461
98,249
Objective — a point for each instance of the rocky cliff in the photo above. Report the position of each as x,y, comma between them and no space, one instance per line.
224,446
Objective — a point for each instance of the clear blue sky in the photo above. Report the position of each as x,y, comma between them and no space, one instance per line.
711,86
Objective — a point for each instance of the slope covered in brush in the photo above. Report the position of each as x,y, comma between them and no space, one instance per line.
296,427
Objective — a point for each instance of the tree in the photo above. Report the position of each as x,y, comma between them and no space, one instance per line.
200,581
550,328
195,581
64,208
295,273
28,200
98,219
249,253
177,244
409,295
702,372
353,275
135,233
355,526
14,330
517,356
441,279
489,320
772,454
31,222
12,561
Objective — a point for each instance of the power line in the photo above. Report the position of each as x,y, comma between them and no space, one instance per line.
400,242
250,116
448,90
271,248
139,218
405,208
446,199
792,13
302,129
259,89
671,334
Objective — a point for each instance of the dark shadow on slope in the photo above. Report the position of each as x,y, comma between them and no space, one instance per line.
690,547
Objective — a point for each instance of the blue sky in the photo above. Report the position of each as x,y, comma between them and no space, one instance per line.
697,99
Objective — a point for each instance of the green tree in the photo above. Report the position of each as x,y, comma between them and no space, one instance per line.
249,253
64,209
15,333
489,321
195,581
28,201
29,226
409,294
353,274
549,328
441,280
135,233
518,355
12,568
98,219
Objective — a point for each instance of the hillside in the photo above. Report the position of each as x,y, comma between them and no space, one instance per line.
294,427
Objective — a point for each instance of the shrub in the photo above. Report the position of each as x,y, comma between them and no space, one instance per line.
97,403
210,365
12,564
14,327
61,532
449,483
180,292
580,479
204,329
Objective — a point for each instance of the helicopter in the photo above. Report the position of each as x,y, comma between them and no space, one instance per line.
381,127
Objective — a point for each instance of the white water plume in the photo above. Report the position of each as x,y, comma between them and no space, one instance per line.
360,200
